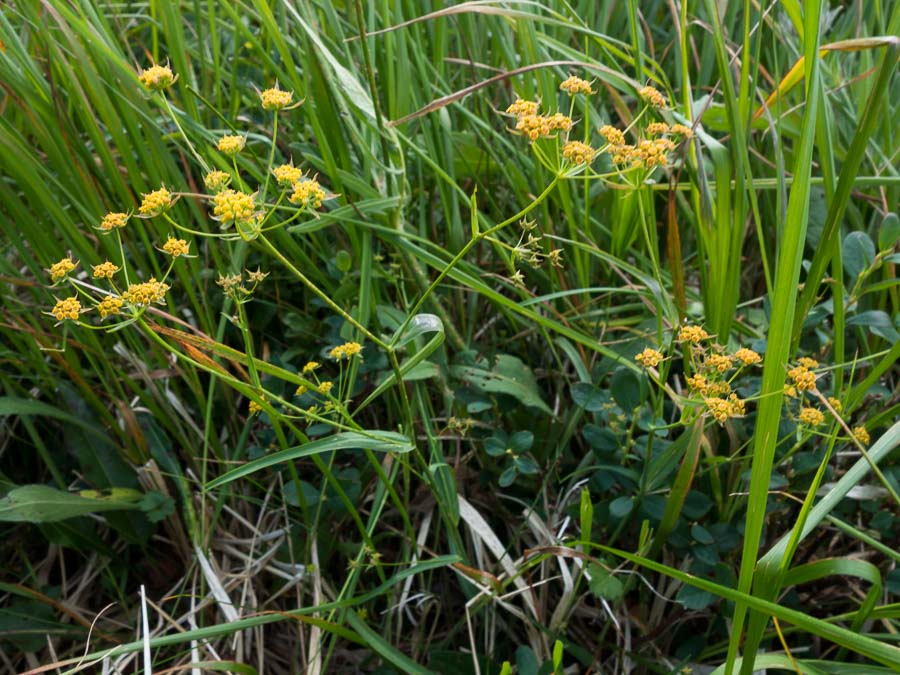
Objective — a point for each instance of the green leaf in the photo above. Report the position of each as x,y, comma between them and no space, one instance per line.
604,584
878,323
626,389
859,254
889,232
509,376
43,504
589,397
508,477
377,441
521,441
621,507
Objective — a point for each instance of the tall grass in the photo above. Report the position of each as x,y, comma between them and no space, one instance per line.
424,521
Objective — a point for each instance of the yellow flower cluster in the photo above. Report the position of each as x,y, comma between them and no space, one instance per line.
722,408
836,404
231,205
614,137
105,270
231,145
803,378
156,202
651,153
216,181
652,96
325,387
860,434
578,152
701,385
575,85
522,107
747,356
157,78
681,130
287,175
113,220
657,128
720,362
254,407
539,126
811,416
59,270
145,293
806,362
692,334
307,193
310,367
275,99
345,351
176,247
69,308
111,304
649,358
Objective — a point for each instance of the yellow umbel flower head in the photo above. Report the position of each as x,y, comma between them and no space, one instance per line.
747,356
275,99
578,152
692,334
681,130
612,135
146,293
216,181
811,416
345,351
652,96
522,107
575,85
649,358
287,175
803,378
325,387
657,128
110,305
157,78
105,270
307,193
156,202
231,145
176,247
60,270
310,367
860,434
69,308
719,362
113,220
231,205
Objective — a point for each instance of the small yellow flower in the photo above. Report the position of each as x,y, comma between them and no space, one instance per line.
176,247
612,135
146,293
738,409
310,367
325,387
657,128
790,391
59,270
345,351
649,358
231,205
254,407
698,383
578,152
216,181
275,98
681,130
231,145
803,378
156,202
720,408
860,434
811,416
522,107
533,126
157,78
747,356
287,175
836,404
307,193
692,334
105,270
559,122
256,276
719,362
575,85
300,391
69,308
653,97
113,220
110,305
807,362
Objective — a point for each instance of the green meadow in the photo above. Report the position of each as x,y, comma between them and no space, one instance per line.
479,338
